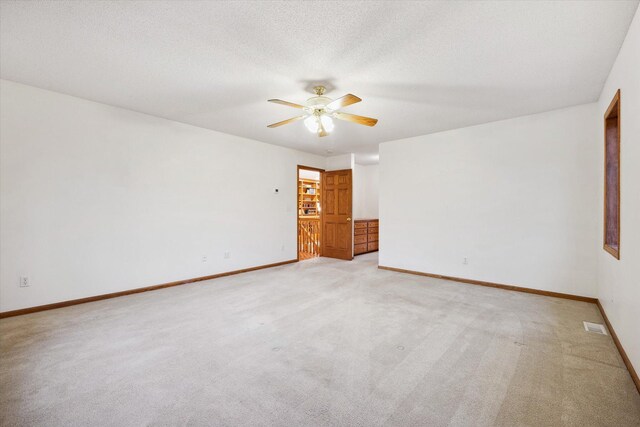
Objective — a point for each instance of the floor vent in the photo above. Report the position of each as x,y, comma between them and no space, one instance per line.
596,328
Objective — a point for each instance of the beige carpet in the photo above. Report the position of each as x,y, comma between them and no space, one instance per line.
320,342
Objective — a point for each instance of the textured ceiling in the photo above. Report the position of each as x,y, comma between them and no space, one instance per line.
420,67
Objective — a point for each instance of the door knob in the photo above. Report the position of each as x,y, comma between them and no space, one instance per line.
348,219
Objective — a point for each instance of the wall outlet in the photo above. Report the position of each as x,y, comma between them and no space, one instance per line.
465,260
24,282
204,258
227,255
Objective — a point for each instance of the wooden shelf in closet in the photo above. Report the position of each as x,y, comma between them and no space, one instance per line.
308,198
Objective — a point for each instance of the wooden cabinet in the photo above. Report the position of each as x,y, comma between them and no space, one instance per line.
361,238
365,236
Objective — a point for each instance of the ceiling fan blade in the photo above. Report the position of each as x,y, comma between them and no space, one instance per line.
345,101
321,130
361,120
284,122
287,103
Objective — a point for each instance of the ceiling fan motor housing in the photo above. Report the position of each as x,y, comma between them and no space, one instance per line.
317,103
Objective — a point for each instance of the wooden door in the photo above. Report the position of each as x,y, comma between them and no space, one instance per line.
336,215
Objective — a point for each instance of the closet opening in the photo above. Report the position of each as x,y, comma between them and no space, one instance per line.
309,212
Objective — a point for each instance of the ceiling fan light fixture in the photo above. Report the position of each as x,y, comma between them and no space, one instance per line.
311,123
327,122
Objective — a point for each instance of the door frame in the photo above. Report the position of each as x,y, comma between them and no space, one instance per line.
311,168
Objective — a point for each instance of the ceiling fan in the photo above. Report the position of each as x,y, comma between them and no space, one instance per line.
320,110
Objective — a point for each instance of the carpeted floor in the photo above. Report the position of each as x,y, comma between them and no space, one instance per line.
320,342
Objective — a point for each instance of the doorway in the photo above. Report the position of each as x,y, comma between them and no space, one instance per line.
325,227
309,212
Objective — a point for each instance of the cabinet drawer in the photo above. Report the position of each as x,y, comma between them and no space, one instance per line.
372,230
360,224
361,248
360,231
372,237
372,246
362,238
372,224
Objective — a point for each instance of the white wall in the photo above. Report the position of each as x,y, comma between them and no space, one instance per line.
516,197
619,281
365,191
339,162
309,174
97,199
